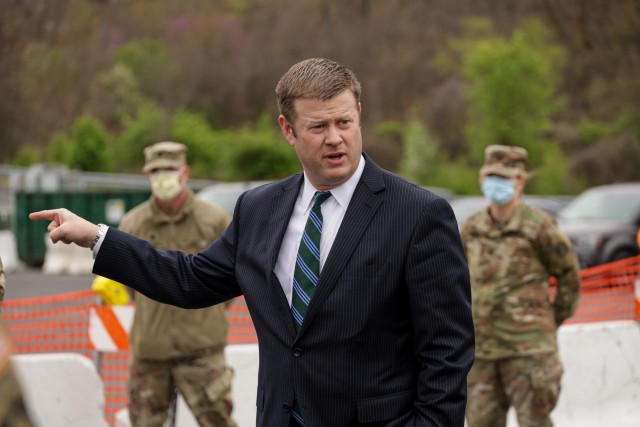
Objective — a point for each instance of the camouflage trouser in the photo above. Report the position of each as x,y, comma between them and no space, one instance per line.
12,410
204,382
531,384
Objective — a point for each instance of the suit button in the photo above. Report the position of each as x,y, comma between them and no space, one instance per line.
286,407
297,352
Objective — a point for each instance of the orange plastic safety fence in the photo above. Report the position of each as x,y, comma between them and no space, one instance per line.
114,371
608,292
57,323
241,330
60,323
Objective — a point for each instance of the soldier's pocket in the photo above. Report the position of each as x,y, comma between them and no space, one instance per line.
220,386
546,382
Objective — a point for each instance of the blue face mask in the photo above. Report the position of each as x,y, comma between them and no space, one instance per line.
499,190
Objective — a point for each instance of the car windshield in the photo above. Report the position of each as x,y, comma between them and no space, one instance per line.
604,204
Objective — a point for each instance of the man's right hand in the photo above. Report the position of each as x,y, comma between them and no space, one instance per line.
67,227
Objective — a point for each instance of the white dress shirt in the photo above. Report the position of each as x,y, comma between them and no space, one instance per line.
333,210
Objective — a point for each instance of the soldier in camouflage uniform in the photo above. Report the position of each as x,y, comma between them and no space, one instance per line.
174,348
12,408
512,250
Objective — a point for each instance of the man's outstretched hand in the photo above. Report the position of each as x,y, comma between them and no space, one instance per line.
67,227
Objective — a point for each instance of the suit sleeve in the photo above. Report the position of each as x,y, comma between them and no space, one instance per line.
205,279
440,299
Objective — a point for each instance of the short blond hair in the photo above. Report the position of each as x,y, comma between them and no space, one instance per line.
315,78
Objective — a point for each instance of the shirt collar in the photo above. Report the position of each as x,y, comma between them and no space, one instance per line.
341,193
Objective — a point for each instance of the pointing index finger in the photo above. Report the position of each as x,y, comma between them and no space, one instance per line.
47,214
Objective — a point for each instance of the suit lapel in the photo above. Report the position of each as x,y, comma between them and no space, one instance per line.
279,214
364,203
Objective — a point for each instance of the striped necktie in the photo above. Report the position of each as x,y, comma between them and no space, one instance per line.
307,271
306,274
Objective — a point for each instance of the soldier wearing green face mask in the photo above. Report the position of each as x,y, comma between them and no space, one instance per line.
174,348
513,250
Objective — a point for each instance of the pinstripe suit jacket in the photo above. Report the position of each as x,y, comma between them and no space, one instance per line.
388,336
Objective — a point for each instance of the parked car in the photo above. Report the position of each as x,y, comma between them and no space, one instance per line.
225,194
603,222
464,207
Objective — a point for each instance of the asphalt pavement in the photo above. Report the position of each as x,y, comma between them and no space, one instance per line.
24,281
27,282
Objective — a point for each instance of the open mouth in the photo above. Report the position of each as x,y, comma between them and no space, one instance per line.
335,156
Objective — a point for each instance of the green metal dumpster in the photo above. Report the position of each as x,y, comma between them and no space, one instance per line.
105,207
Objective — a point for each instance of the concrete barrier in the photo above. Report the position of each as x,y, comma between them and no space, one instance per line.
61,389
66,259
9,251
600,387
601,384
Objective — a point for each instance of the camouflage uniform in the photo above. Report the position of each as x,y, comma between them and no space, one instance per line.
174,348
517,359
12,408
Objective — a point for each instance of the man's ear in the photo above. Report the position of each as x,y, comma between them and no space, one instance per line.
287,129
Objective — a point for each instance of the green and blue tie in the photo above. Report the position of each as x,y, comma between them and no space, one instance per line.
307,273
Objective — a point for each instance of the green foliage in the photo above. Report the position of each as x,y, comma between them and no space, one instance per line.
591,131
27,156
259,152
420,153
450,59
553,176
90,146
152,66
458,176
628,121
423,163
255,151
118,92
205,146
512,90
240,6
389,127
150,125
59,149
384,143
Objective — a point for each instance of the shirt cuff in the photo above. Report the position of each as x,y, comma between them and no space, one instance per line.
96,248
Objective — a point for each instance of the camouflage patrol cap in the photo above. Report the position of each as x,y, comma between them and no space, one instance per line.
164,154
504,160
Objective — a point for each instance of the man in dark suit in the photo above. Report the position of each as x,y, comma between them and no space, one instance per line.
385,337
